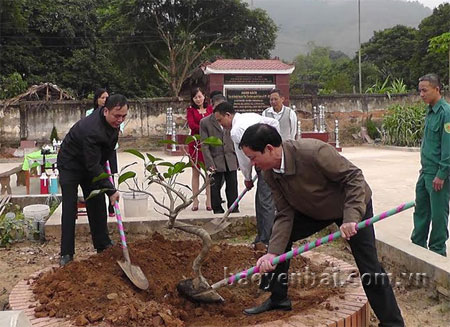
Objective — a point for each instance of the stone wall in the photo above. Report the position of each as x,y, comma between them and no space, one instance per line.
146,122
351,102
34,120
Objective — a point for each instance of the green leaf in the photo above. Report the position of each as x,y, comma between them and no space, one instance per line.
212,140
192,138
165,163
167,142
151,168
100,177
136,153
152,158
97,192
125,176
126,166
178,168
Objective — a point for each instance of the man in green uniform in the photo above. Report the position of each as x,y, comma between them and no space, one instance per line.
432,189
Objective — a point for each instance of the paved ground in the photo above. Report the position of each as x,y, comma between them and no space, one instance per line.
391,174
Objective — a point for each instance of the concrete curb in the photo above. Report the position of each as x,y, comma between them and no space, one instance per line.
391,147
427,268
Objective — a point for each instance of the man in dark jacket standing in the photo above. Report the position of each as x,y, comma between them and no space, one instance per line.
313,186
83,154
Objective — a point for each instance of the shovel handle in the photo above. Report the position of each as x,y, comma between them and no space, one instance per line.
239,198
320,241
123,238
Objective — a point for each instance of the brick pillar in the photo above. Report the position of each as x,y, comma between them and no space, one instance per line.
215,83
282,82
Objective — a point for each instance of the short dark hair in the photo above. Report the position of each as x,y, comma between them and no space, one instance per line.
218,98
214,93
98,93
194,92
275,91
257,136
433,79
116,100
224,107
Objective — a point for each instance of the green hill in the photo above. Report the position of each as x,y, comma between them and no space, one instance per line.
334,23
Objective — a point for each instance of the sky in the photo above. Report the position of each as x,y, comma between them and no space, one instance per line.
431,3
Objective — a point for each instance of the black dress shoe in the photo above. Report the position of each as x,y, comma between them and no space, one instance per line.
65,259
268,305
218,210
235,210
100,250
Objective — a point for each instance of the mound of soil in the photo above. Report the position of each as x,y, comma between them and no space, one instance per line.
96,291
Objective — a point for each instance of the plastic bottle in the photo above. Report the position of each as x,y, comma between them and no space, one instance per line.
53,183
44,183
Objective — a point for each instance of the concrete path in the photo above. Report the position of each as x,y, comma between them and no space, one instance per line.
391,174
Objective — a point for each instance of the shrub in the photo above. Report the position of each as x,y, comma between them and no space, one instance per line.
372,129
14,227
403,125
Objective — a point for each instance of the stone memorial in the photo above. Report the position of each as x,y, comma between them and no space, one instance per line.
246,83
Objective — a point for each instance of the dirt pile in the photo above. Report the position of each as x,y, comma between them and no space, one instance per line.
96,291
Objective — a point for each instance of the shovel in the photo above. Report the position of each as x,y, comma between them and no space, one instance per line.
218,224
133,272
210,295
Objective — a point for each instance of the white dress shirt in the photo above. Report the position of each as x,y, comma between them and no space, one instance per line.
240,124
278,115
281,170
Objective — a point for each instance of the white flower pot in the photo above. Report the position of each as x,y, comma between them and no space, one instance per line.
135,204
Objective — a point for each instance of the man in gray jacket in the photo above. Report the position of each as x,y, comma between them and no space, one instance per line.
220,159
313,186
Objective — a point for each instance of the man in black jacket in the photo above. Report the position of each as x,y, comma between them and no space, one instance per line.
82,156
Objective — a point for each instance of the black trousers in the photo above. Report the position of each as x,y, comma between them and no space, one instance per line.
231,188
95,207
265,210
114,169
374,279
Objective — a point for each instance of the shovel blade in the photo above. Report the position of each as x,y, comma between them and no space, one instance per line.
135,274
203,293
216,225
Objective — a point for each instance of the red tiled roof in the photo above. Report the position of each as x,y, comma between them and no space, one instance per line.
249,64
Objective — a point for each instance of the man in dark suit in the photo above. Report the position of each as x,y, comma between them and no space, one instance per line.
83,154
314,186
220,159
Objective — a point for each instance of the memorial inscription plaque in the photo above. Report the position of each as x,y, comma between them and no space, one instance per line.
249,92
248,100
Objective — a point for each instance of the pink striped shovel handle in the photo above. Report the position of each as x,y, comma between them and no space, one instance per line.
123,239
320,241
